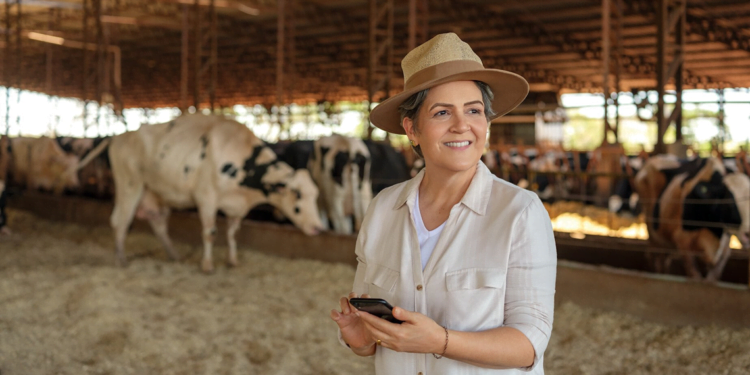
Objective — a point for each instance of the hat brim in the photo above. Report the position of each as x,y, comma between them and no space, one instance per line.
509,90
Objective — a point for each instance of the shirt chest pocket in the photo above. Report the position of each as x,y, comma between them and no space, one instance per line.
476,298
381,282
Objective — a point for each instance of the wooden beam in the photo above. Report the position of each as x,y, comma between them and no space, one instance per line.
227,4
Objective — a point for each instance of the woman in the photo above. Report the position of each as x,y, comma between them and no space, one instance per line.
468,260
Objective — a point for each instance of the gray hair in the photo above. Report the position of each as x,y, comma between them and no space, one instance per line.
410,107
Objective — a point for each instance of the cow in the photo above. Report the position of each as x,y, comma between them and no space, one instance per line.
41,164
75,146
297,154
695,206
206,162
95,175
340,166
389,167
625,198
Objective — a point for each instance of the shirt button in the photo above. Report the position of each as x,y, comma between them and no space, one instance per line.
419,287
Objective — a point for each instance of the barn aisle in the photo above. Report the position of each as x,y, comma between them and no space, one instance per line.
67,310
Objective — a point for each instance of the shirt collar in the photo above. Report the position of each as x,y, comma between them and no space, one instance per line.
476,198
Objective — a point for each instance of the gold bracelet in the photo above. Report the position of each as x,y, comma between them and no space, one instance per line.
444,348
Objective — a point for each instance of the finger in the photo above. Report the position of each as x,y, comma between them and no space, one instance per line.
404,315
345,306
365,295
375,323
352,295
335,315
374,330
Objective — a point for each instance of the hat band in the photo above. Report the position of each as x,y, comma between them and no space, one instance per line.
442,70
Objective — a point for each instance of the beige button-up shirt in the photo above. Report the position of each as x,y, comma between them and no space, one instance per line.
494,265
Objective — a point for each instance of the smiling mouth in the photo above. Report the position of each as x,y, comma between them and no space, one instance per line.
458,144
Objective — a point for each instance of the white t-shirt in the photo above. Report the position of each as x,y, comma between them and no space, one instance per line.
427,238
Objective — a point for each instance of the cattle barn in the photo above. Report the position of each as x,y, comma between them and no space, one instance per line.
194,245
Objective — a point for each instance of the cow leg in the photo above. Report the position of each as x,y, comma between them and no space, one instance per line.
724,252
207,214
690,267
715,273
323,212
126,202
233,224
341,223
159,224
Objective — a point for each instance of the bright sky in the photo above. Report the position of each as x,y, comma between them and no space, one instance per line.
44,115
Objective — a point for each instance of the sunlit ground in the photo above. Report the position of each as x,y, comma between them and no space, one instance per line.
581,220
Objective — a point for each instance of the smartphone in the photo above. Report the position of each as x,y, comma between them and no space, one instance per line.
375,306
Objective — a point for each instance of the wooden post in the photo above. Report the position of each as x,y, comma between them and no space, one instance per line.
606,13
678,78
6,66
197,56
280,53
668,18
618,67
214,57
85,65
49,51
380,48
19,60
184,59
418,18
371,64
291,51
99,60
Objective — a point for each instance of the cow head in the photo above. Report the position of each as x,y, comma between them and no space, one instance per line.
296,197
739,185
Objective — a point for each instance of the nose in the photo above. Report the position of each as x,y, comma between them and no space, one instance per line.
460,124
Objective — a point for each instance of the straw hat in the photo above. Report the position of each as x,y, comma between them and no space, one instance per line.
446,58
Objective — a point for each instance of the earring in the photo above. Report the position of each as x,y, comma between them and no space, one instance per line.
413,144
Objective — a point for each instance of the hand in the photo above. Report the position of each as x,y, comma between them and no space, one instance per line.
353,329
417,334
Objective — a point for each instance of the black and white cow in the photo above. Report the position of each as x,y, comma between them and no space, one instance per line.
695,206
340,166
206,162
625,198
389,166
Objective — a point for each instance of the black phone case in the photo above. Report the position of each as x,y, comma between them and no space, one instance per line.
375,306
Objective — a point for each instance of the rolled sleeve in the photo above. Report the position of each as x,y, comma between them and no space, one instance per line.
532,268
359,287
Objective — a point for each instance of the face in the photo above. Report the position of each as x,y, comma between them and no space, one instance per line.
298,202
450,127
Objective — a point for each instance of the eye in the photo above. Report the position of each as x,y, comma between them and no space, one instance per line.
440,113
